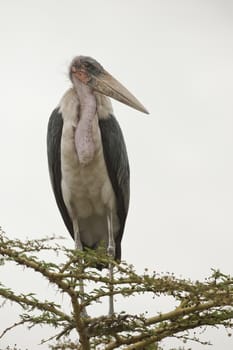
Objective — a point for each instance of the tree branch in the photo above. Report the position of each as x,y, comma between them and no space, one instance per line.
208,303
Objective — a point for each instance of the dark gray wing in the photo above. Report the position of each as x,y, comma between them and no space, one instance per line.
54,133
117,163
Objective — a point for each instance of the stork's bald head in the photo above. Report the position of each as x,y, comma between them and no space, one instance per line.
84,68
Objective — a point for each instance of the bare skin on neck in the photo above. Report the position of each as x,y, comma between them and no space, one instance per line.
84,143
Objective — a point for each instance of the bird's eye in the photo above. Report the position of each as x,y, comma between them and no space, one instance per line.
93,68
88,65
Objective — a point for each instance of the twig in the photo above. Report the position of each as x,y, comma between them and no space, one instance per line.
11,327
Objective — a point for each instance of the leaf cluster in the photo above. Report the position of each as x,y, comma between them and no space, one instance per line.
198,304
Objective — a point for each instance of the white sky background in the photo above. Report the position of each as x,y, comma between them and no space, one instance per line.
177,58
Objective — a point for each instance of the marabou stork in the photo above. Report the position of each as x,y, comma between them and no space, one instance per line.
87,158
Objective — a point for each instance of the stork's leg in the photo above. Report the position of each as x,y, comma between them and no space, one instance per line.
111,252
77,240
79,246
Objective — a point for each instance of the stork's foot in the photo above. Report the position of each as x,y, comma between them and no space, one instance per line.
111,251
84,313
111,308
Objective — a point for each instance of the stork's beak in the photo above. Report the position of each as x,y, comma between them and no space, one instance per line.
109,86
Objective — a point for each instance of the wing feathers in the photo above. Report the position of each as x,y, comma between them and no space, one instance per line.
54,161
116,158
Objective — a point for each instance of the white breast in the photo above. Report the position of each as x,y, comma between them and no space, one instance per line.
87,190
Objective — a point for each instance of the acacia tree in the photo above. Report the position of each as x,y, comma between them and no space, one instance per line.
208,303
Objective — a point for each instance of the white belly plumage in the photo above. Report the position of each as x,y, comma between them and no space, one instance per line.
87,190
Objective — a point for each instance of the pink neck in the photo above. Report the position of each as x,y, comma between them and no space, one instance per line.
84,143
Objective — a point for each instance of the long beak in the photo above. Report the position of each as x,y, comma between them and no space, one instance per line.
109,86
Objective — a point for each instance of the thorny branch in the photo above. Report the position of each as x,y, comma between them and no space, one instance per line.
207,303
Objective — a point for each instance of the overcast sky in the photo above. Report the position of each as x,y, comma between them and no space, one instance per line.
176,56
